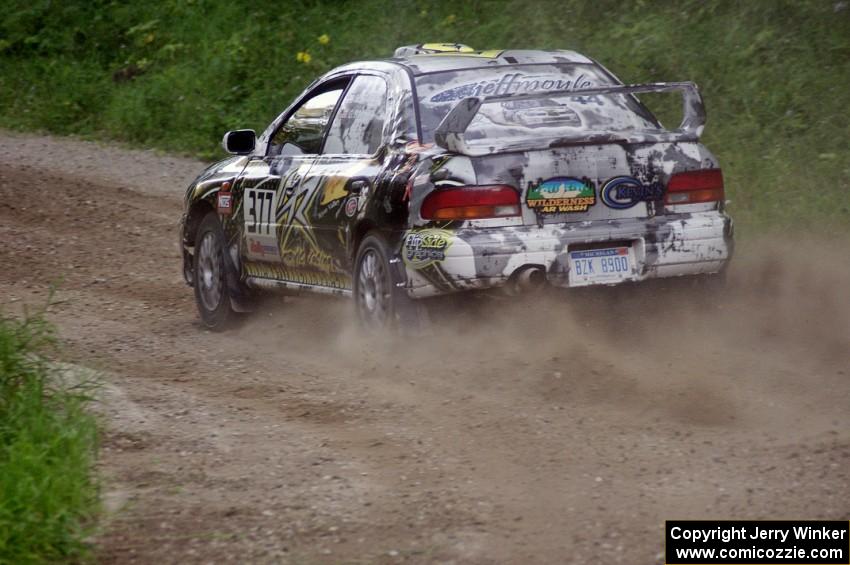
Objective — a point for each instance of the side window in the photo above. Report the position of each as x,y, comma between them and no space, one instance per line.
358,126
302,132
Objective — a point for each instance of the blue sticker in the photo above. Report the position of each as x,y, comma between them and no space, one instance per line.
624,192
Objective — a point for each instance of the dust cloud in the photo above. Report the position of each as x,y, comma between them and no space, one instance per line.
770,348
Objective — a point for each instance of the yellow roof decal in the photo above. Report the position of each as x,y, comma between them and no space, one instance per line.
447,47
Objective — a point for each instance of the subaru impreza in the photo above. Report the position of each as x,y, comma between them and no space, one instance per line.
444,170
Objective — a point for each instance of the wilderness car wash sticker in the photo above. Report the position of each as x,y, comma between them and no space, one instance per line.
560,195
425,247
624,192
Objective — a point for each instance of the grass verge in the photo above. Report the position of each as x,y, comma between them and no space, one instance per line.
48,494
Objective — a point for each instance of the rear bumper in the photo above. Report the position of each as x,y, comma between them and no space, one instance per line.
444,261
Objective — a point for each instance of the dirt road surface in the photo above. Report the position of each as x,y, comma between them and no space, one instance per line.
558,429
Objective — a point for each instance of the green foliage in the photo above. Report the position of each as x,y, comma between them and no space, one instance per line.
47,446
175,74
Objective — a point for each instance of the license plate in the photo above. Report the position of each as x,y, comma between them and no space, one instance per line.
601,266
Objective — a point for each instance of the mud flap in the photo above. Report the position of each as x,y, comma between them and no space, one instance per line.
242,299
411,315
188,266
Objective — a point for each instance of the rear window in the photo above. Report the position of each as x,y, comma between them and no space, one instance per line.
439,92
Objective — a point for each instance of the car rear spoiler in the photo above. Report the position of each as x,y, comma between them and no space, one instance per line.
450,133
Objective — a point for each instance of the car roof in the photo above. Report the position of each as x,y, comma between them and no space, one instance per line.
453,61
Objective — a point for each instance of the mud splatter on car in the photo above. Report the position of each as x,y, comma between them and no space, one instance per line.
446,169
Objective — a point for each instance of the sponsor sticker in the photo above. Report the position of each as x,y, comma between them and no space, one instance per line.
296,275
425,247
560,195
224,202
257,247
624,192
414,147
512,83
351,206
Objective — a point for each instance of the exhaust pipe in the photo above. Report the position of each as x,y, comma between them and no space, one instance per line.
530,278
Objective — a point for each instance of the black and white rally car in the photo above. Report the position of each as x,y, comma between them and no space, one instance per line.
445,169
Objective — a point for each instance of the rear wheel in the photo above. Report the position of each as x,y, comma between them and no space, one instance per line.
212,293
378,302
373,284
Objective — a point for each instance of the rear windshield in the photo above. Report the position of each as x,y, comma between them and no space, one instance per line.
439,92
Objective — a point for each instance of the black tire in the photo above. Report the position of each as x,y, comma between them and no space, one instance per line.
377,301
212,289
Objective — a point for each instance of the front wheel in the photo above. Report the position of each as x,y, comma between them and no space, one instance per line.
212,294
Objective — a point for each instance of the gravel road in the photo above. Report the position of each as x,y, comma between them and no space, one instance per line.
555,429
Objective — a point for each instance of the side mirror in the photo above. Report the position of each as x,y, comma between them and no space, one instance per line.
239,142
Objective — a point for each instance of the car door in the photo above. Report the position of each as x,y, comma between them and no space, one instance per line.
345,174
273,192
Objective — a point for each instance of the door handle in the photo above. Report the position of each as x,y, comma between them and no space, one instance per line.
357,184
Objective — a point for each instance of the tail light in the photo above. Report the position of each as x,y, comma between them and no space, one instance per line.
471,203
695,186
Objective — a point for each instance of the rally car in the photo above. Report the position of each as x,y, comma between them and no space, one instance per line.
444,169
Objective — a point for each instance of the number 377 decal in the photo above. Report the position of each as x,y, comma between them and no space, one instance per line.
259,211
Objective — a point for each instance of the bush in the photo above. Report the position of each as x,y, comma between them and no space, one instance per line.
48,496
